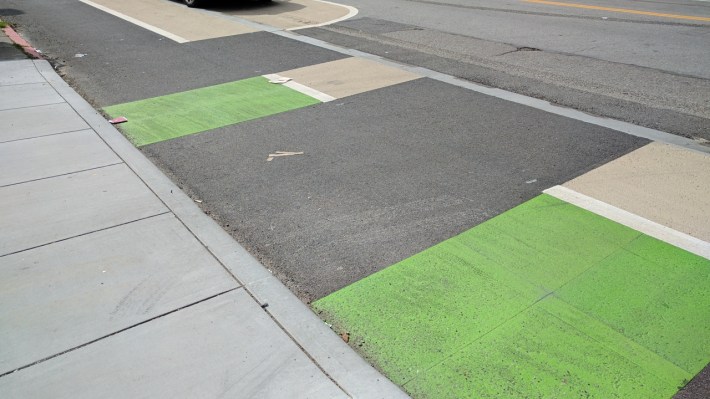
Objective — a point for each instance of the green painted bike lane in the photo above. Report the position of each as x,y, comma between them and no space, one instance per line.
545,300
180,114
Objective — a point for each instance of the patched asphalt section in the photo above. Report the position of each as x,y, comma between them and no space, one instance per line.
385,175
124,62
372,25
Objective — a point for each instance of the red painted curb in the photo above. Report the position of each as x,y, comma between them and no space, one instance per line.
17,39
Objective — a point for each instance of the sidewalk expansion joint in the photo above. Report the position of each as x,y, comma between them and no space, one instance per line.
45,135
119,331
60,175
22,84
31,106
84,234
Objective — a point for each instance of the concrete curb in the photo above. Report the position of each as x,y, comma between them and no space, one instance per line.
18,40
342,364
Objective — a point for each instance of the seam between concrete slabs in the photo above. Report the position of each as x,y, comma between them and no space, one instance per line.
82,234
63,174
120,331
32,106
340,363
44,135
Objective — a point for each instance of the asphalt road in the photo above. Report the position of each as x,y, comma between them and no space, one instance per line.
673,45
647,70
387,173
391,172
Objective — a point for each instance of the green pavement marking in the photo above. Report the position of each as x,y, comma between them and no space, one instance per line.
544,353
545,300
176,115
656,295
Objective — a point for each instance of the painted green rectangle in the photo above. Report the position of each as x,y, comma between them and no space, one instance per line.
550,351
655,294
545,300
180,114
410,316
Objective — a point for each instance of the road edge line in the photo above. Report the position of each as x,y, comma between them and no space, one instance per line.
650,228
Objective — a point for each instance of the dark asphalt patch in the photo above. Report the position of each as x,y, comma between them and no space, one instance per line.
385,175
372,25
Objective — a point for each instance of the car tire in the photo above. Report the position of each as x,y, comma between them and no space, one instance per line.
193,3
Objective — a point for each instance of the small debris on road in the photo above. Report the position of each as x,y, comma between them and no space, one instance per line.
79,55
198,201
282,154
345,336
531,181
280,80
118,120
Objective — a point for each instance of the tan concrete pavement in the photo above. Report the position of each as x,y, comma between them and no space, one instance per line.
663,183
175,21
348,76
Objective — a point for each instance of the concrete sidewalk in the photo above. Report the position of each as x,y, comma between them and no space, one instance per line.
113,283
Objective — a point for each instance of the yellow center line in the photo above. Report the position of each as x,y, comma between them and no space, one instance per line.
622,10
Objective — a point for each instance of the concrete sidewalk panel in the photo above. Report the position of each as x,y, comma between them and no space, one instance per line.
666,184
19,72
226,346
44,120
28,95
44,211
54,155
63,295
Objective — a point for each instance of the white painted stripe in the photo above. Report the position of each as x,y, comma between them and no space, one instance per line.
628,219
132,20
320,96
352,11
